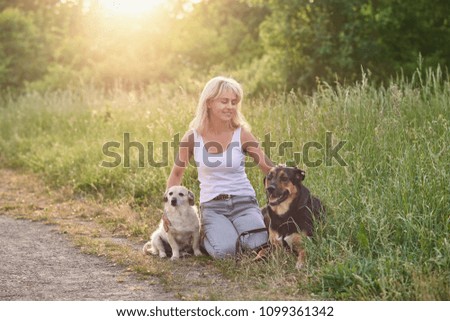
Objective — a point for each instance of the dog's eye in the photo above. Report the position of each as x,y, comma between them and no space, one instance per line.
269,176
284,178
181,194
171,193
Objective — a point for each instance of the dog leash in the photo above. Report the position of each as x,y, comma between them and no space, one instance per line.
239,249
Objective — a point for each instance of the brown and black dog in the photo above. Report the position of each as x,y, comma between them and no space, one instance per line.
291,210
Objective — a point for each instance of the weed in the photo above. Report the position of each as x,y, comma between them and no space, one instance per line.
386,233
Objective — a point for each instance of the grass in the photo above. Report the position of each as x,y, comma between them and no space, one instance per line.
386,236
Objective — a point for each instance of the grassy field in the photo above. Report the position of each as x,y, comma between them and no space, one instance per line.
386,236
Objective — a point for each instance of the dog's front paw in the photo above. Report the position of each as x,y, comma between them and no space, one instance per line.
197,252
300,260
275,239
175,257
162,254
145,248
262,254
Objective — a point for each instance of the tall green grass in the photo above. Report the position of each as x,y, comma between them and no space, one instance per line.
386,236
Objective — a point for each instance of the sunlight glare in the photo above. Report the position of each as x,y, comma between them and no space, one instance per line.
130,8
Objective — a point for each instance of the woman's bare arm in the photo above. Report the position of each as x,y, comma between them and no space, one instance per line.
185,152
253,148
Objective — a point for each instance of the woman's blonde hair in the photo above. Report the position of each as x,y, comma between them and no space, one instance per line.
212,90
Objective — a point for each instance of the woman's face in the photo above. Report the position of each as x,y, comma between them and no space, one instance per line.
224,107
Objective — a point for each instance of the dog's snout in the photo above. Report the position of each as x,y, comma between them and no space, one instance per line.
270,189
173,202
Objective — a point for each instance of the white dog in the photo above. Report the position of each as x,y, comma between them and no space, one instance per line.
179,227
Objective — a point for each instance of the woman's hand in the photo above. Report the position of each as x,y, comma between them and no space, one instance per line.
185,152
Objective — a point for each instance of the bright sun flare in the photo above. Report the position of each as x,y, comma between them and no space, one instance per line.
129,8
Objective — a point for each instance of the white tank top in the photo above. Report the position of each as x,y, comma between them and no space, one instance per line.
221,173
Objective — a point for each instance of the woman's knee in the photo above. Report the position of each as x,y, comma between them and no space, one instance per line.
220,250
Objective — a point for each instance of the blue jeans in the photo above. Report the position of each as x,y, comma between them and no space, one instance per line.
223,221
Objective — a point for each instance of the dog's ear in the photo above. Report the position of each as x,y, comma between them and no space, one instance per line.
191,198
300,174
269,173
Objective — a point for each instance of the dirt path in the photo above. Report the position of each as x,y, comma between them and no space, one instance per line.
37,263
44,234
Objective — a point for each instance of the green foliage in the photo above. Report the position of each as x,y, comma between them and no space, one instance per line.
27,5
268,44
89,79
221,35
21,51
386,235
335,38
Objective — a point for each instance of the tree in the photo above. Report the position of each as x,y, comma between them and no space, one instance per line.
27,5
220,34
21,50
312,39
